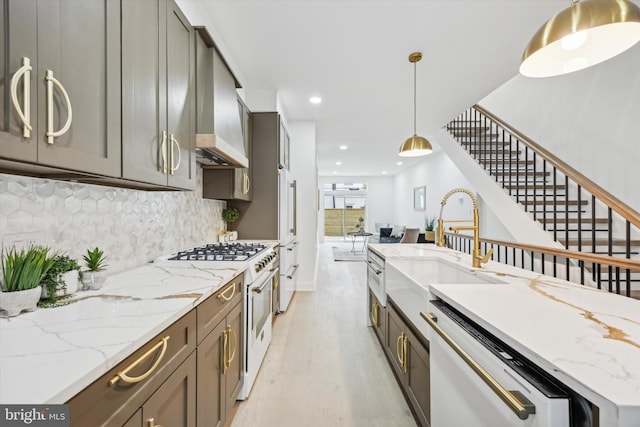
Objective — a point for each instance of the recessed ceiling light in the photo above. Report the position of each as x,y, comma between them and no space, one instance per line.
338,163
315,100
384,172
335,172
399,163
343,147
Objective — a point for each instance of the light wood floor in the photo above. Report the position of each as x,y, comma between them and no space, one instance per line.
325,367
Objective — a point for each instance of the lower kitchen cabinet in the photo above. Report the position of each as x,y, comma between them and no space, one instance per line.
174,404
155,381
378,316
220,375
408,354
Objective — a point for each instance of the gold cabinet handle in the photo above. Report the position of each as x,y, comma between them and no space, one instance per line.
152,423
173,141
223,296
515,400
225,345
404,354
374,314
246,182
51,134
399,349
25,116
163,153
122,375
231,355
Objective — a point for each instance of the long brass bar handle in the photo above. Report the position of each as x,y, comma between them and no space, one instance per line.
276,281
374,314
122,375
225,345
404,354
246,182
232,355
517,402
173,141
399,348
51,134
25,116
163,152
232,288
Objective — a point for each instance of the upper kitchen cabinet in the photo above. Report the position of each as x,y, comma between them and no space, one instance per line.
59,84
158,76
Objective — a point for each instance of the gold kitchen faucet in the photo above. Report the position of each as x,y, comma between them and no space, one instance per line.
476,259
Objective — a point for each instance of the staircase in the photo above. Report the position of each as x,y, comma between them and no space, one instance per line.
579,214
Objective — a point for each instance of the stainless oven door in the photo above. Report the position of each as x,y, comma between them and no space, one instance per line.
261,295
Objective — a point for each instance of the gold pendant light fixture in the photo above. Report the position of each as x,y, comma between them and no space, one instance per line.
586,33
416,145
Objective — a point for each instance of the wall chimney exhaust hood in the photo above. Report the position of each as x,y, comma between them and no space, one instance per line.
219,132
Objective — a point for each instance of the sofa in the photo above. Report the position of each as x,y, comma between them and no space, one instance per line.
391,234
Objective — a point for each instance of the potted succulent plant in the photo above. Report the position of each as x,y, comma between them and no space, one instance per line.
429,227
22,272
61,279
94,276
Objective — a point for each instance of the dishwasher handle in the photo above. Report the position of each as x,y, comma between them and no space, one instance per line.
515,400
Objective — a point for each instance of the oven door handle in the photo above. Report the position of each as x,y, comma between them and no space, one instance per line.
375,270
515,400
266,282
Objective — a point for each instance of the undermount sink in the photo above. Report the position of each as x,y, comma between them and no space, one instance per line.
407,283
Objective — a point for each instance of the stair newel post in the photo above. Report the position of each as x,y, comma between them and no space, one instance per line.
566,216
504,152
579,217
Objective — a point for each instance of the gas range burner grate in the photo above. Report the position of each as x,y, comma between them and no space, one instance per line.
233,251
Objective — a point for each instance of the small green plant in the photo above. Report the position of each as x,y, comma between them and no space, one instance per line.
230,215
53,279
24,269
429,223
95,259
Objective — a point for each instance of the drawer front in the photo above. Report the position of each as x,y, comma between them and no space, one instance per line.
218,305
114,397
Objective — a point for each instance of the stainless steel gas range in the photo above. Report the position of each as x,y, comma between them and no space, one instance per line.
261,259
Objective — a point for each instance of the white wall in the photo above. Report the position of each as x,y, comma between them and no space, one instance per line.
379,199
439,175
305,171
590,119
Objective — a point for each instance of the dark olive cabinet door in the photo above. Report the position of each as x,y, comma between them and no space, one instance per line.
79,47
18,53
210,378
174,404
418,378
394,341
234,377
180,101
69,92
157,77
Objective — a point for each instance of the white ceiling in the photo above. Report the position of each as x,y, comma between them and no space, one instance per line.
354,54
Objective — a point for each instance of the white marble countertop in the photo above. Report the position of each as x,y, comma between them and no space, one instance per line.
587,338
50,354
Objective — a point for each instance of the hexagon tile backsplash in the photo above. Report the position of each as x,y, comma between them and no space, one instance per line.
131,226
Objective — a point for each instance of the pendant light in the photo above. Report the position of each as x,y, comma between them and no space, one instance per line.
586,33
416,145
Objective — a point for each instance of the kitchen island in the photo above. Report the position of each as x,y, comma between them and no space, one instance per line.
588,340
51,354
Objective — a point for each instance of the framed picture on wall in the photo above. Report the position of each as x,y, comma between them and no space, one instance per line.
419,194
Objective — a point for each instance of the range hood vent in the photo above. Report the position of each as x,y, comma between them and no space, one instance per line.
220,136
212,150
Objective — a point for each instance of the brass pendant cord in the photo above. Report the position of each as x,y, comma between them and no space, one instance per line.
414,98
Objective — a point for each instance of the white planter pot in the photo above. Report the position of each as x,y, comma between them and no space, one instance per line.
93,279
70,278
16,302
